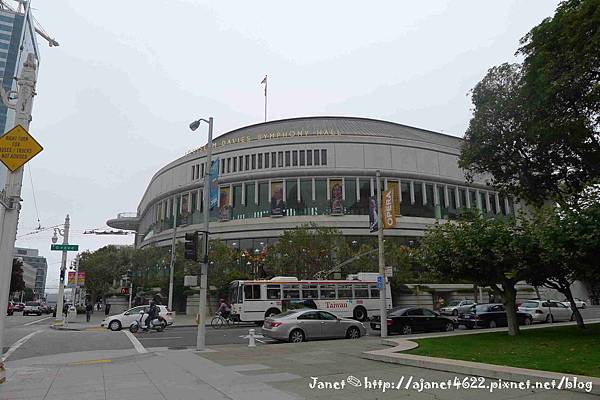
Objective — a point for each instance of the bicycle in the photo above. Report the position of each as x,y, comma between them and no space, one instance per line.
219,321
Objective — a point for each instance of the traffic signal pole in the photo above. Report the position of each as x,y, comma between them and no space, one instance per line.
60,317
201,336
10,199
383,289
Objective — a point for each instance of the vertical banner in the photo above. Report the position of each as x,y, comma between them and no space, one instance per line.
337,202
373,218
224,208
393,186
277,204
213,179
80,279
388,209
184,208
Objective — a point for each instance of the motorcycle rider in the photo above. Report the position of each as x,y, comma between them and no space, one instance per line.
152,314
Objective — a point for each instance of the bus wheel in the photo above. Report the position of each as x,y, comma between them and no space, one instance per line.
271,312
360,314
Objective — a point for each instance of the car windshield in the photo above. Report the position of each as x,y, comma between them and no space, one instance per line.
480,308
454,303
32,303
530,304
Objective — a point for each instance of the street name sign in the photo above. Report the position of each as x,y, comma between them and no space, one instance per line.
64,247
17,147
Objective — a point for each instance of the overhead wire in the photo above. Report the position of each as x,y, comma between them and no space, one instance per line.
37,211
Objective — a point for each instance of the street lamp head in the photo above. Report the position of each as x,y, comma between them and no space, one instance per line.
194,125
54,238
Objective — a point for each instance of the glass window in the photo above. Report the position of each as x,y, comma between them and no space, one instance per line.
264,200
324,315
302,158
273,160
238,209
222,165
317,159
495,208
415,312
310,291
260,158
484,198
202,170
280,159
247,163
321,204
350,206
228,164
253,161
252,292
291,197
241,162
441,211
309,158
473,198
234,164
374,291
452,208
462,196
311,315
250,208
304,208
327,292
344,291
291,291
266,160
324,157
295,158
274,292
287,159
361,291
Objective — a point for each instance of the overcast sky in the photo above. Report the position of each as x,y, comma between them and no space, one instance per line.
115,99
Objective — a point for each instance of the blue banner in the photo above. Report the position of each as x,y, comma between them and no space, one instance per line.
214,185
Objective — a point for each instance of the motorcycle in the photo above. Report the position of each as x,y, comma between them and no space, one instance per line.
157,324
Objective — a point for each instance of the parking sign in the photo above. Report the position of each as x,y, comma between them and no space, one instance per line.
379,282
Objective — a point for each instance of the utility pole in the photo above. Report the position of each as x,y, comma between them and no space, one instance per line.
383,290
172,267
11,195
59,321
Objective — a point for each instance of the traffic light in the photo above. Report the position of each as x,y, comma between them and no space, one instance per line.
190,246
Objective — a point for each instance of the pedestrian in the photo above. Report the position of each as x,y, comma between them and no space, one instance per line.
98,306
88,311
106,309
492,298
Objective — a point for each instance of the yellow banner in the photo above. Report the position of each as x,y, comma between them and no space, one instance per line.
389,209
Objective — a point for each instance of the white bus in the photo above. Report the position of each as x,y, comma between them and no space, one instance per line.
356,297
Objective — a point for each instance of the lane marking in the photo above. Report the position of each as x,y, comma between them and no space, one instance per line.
90,362
161,338
136,343
18,344
36,321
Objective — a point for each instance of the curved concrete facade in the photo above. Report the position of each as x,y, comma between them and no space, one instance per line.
305,164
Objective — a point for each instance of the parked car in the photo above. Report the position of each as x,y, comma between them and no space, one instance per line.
456,307
297,326
18,306
10,310
46,308
490,316
578,303
125,319
32,307
546,310
408,320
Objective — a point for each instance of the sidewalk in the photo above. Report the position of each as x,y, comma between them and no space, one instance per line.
164,375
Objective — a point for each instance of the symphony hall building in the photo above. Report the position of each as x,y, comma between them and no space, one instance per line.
280,174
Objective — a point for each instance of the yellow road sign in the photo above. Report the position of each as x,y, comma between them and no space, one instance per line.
17,147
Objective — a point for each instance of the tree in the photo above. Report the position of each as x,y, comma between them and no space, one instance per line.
487,252
536,127
17,284
102,268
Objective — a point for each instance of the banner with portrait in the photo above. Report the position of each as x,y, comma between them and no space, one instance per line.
224,208
213,179
277,203
337,197
184,209
373,217
388,209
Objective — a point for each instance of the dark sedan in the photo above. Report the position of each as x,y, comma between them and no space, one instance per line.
490,316
408,320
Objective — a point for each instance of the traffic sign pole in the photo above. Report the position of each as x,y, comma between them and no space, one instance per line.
60,318
11,198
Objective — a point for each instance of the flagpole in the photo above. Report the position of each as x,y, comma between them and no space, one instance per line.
265,98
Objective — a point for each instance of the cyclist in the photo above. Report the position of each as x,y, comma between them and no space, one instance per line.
224,309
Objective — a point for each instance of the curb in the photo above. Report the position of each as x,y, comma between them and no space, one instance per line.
470,368
63,328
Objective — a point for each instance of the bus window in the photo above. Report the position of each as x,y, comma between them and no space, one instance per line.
310,292
252,292
233,293
274,292
291,291
344,291
374,291
327,292
361,291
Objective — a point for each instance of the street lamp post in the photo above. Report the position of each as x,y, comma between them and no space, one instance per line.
58,321
201,337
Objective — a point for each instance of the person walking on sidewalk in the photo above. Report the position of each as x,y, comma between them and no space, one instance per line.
88,311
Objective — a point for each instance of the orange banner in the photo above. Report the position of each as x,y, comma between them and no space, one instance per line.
389,209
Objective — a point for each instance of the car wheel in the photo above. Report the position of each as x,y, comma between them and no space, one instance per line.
528,321
360,314
114,325
297,336
406,330
353,333
492,324
449,327
583,306
455,312
133,328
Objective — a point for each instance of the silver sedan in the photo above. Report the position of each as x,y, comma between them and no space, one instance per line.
300,325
